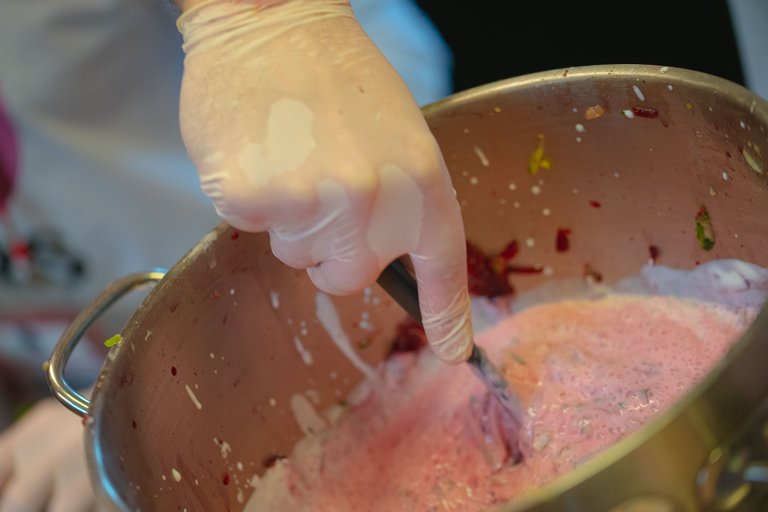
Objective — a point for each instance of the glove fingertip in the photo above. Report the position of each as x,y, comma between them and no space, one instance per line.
319,278
455,346
342,278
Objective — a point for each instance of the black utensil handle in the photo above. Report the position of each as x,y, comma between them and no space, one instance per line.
401,286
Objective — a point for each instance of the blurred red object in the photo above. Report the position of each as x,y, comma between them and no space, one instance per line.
9,158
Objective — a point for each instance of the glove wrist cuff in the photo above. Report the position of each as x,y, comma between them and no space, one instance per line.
224,19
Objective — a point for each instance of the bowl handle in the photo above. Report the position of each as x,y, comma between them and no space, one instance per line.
69,339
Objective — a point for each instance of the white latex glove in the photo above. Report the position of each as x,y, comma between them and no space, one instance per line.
42,463
298,125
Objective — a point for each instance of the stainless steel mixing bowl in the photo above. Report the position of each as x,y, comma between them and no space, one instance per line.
199,395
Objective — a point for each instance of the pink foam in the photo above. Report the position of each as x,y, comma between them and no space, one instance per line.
590,372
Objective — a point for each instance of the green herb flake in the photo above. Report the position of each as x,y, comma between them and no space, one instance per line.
704,232
519,359
114,340
538,159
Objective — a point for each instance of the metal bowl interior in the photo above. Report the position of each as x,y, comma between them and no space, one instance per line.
202,392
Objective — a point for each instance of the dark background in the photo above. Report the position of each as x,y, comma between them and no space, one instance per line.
493,40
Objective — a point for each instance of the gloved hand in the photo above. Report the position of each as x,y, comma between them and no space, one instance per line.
42,463
298,125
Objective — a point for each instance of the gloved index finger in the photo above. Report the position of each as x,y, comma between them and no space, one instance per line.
440,265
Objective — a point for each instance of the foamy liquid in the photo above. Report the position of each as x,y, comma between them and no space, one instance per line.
590,371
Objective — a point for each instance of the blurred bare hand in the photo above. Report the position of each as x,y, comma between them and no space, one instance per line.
42,463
